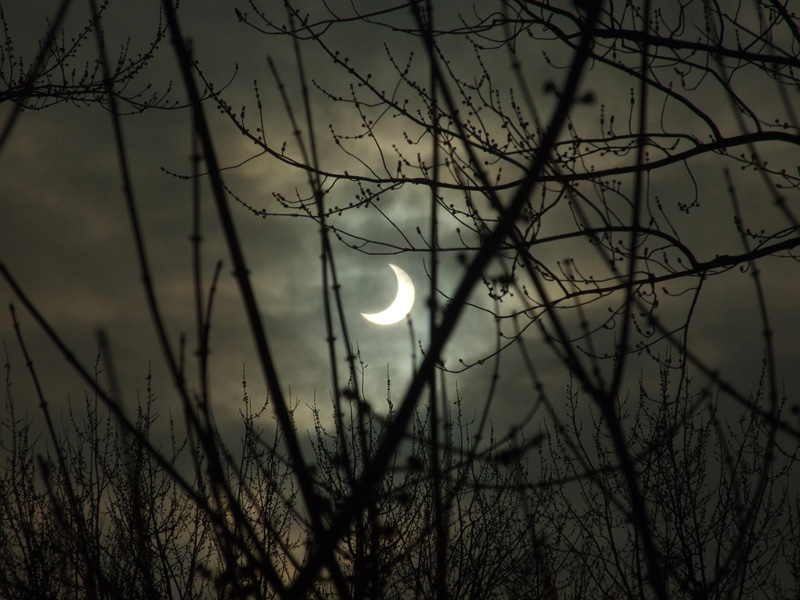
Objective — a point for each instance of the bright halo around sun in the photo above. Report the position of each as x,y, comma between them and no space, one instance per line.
402,303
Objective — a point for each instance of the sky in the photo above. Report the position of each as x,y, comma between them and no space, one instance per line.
65,235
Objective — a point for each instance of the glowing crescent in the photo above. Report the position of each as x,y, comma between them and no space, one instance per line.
402,303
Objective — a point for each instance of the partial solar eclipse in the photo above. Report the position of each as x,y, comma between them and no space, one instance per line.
402,303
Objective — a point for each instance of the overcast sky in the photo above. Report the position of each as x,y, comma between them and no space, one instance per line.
65,235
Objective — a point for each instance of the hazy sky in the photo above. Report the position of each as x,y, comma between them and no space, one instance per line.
65,235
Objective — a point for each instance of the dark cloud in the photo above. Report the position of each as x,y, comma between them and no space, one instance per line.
66,235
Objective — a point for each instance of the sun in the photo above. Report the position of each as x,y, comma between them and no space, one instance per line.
402,304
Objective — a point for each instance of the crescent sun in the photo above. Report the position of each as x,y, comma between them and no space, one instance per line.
402,303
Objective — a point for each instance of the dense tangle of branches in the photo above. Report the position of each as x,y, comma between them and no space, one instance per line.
594,165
